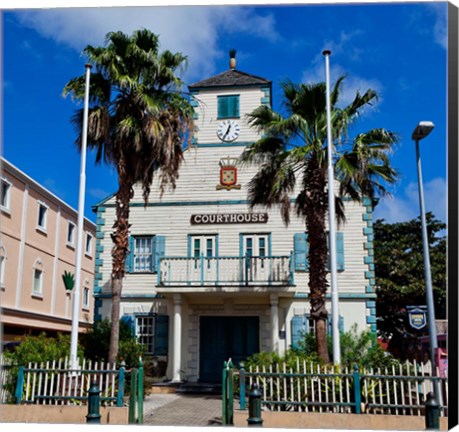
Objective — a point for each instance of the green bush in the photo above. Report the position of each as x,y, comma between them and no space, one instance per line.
356,348
96,343
40,349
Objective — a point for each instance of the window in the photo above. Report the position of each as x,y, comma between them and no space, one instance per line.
145,331
37,281
301,251
144,253
151,330
5,189
303,324
228,106
202,246
88,245
71,234
37,284
2,270
86,293
42,216
255,245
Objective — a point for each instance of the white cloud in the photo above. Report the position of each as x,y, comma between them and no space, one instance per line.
440,30
191,30
405,205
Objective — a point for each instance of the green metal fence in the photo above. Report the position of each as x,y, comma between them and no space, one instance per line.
54,383
312,388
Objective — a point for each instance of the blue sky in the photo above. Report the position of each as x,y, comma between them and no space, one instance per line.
399,50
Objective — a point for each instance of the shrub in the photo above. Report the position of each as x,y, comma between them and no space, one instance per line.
40,349
97,340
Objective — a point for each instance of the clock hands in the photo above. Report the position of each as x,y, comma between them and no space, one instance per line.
227,131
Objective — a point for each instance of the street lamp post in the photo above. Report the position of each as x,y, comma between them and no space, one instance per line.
421,131
331,221
79,247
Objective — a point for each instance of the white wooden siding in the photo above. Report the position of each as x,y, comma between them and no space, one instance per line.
207,121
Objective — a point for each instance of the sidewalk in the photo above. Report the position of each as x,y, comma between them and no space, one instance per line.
182,410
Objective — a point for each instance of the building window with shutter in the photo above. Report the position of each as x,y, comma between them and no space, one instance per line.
151,330
301,251
145,252
228,106
302,325
145,332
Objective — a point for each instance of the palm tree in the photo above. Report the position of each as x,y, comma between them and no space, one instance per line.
292,156
138,122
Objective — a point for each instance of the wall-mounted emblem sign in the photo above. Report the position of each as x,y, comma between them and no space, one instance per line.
417,316
228,174
228,218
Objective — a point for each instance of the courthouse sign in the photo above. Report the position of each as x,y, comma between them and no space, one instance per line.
228,218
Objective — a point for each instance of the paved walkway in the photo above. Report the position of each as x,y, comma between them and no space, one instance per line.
182,410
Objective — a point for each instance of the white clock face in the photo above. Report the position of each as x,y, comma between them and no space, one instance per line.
228,130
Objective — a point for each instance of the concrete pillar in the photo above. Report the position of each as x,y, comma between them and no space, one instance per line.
177,354
274,298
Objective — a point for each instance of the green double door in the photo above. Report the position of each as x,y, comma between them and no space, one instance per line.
222,338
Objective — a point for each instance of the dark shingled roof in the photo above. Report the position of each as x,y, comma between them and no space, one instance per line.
230,77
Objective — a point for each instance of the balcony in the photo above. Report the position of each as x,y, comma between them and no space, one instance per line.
226,271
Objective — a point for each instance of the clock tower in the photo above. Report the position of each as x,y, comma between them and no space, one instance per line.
221,104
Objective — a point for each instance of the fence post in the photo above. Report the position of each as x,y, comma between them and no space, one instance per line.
93,404
133,397
241,386
140,394
432,412
357,390
255,407
230,393
224,392
121,382
19,385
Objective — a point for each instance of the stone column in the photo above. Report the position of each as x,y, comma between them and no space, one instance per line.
177,354
274,298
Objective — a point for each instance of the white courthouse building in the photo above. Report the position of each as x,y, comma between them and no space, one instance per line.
207,279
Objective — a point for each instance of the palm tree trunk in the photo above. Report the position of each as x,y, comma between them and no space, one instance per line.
120,238
316,207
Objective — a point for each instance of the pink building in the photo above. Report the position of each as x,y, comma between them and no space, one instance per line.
38,236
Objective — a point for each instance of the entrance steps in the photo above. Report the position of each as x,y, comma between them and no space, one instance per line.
187,388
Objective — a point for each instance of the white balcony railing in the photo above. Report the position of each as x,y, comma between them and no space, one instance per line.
226,271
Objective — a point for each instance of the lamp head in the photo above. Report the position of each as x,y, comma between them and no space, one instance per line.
422,130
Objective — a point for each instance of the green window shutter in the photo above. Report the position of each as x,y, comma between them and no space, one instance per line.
339,251
222,107
158,251
301,249
162,335
299,329
233,106
129,320
228,106
130,257
341,324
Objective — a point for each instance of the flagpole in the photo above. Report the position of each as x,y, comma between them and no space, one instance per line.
79,248
332,221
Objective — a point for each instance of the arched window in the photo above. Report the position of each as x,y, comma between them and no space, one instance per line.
38,270
86,293
2,265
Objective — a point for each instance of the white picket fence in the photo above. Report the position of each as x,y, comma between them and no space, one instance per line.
54,383
310,387
5,375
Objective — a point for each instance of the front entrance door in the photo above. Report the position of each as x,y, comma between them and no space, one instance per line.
222,338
